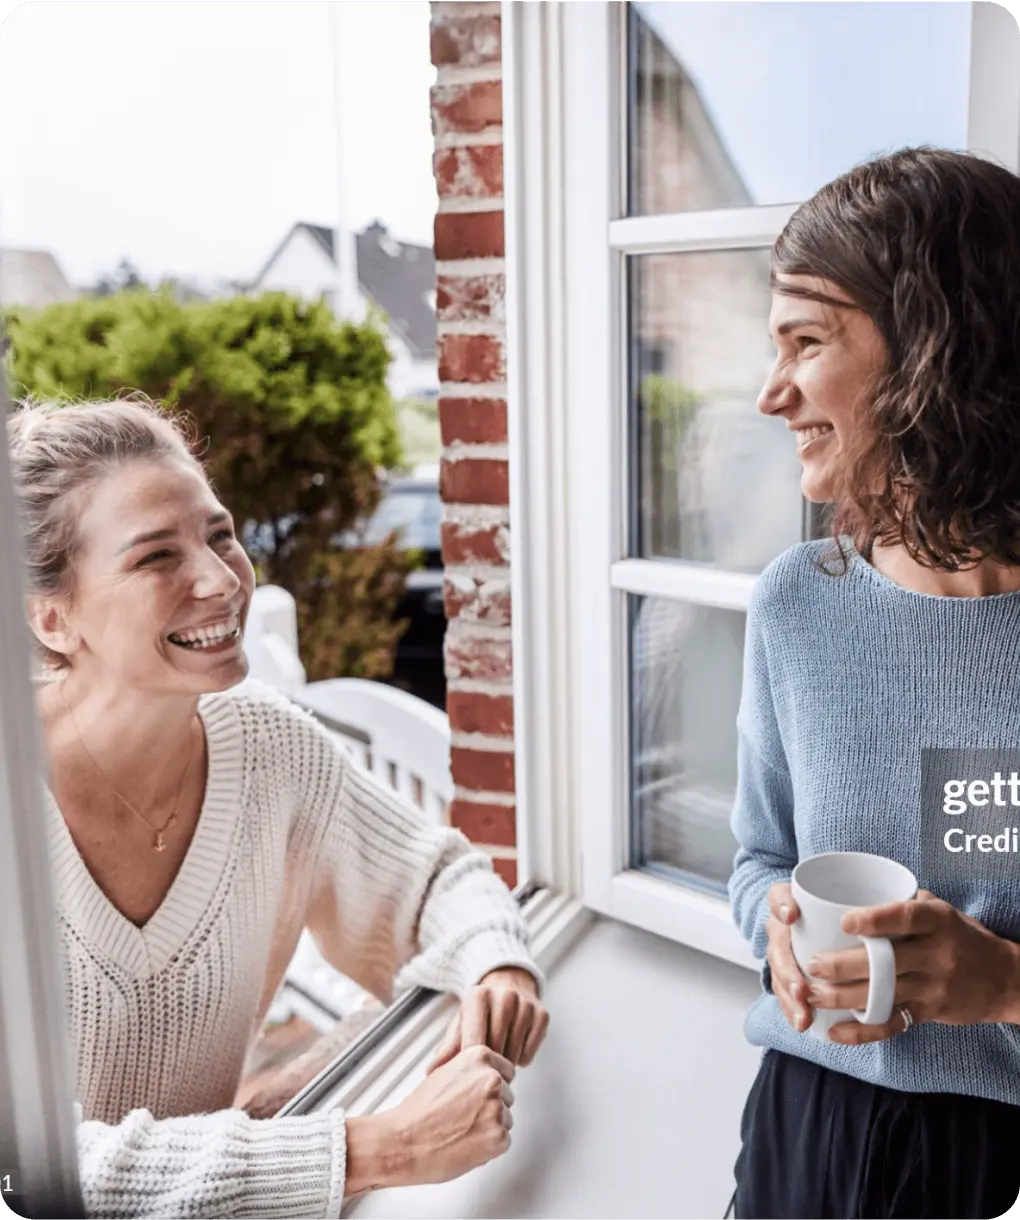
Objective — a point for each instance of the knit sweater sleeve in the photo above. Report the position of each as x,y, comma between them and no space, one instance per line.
762,820
222,1164
396,902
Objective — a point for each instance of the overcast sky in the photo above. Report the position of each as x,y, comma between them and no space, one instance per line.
188,135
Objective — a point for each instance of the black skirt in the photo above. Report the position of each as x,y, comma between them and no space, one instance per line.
820,1144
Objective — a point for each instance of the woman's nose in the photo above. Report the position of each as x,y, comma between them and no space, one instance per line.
777,393
214,578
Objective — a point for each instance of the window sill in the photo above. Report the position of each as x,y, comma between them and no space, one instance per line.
698,920
633,1106
370,1074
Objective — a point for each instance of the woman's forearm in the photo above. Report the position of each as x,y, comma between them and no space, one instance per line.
1010,990
377,1153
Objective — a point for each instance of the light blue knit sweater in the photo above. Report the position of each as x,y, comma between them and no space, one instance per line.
846,677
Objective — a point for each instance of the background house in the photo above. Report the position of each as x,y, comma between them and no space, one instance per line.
396,277
32,278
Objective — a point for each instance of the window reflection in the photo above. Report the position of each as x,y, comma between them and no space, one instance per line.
718,483
760,103
686,665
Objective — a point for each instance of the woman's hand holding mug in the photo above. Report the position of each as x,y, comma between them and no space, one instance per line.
949,968
789,985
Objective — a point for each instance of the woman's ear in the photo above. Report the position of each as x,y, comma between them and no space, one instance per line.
49,622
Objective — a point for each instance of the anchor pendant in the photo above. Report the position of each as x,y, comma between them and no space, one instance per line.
160,845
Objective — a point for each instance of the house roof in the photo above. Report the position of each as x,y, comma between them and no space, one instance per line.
399,277
32,278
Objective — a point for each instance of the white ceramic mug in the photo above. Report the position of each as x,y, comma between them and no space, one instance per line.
825,887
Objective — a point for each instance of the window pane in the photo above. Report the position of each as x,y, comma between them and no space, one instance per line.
759,103
686,668
717,482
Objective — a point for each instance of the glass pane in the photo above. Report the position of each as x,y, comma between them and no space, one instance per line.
717,482
686,669
758,103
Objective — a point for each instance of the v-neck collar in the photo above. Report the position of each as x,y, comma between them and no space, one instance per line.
142,951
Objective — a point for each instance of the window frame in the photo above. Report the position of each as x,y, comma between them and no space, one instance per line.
35,1064
566,252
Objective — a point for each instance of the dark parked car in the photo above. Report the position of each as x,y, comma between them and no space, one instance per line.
411,508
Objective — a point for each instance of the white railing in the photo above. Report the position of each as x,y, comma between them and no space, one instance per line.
271,642
401,739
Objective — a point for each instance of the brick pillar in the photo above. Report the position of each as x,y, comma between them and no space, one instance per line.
467,116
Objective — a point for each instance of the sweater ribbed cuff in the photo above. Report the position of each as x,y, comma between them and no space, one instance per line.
306,1154
221,1164
493,950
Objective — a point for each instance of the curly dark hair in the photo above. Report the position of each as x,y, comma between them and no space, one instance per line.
927,243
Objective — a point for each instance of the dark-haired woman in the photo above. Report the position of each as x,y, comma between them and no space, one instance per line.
896,318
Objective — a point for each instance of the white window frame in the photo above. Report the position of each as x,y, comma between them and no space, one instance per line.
567,238
37,1146
37,1141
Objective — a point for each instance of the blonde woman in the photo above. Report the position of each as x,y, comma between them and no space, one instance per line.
197,826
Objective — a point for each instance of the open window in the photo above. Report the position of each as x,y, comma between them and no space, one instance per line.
691,147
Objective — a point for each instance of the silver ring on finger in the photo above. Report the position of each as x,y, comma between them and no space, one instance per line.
908,1018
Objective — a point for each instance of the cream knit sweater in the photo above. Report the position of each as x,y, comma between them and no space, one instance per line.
291,834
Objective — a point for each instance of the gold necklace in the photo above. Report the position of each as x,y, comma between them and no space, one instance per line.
158,842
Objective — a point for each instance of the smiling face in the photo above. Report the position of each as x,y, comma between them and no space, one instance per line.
828,359
161,586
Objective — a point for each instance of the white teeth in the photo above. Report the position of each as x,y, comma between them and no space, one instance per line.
806,435
206,637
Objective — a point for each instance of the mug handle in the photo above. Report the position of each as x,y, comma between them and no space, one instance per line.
882,981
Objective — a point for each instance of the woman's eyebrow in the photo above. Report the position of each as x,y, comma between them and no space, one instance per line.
784,328
217,518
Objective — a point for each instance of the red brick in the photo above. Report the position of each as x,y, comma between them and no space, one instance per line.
468,41
474,358
467,107
469,235
507,869
469,173
488,544
475,657
475,481
470,298
486,770
492,824
477,601
471,712
475,421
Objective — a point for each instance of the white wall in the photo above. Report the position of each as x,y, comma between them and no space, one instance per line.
408,376
303,268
